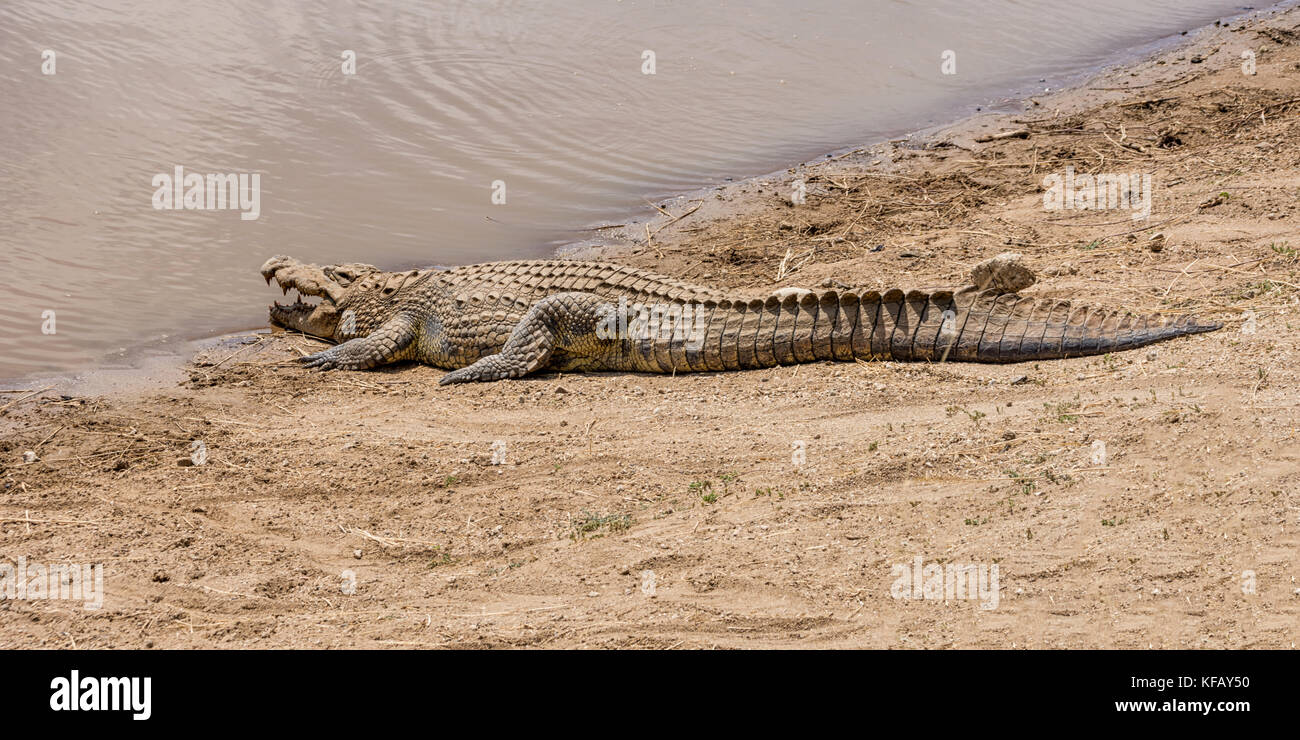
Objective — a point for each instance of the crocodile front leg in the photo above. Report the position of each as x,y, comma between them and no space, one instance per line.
563,325
386,344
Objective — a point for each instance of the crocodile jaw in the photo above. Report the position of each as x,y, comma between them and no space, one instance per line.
317,319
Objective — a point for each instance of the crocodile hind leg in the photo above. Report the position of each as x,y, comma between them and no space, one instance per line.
563,326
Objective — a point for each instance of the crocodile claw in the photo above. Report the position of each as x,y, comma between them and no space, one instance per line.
323,360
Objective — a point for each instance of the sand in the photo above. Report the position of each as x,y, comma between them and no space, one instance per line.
772,508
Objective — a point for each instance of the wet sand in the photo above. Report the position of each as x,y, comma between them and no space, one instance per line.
386,481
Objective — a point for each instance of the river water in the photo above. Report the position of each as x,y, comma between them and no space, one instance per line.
445,132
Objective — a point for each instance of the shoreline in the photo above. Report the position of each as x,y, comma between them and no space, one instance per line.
1076,93
527,512
153,364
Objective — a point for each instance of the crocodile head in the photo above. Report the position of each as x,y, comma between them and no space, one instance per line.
354,299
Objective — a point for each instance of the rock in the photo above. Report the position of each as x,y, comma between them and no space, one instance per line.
1005,273
30,457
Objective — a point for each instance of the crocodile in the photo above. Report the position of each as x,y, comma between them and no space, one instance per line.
501,320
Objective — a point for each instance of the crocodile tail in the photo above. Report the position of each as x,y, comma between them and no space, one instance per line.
940,326
991,327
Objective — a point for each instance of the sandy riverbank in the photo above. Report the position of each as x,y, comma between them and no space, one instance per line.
386,480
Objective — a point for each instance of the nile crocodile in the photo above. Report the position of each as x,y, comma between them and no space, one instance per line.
508,319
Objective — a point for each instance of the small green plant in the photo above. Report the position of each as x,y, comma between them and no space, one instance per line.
1027,485
727,479
589,525
704,489
975,416
1254,290
1064,412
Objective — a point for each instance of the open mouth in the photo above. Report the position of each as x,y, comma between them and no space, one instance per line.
305,301
299,304
312,302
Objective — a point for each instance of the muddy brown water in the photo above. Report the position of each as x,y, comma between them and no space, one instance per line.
384,132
